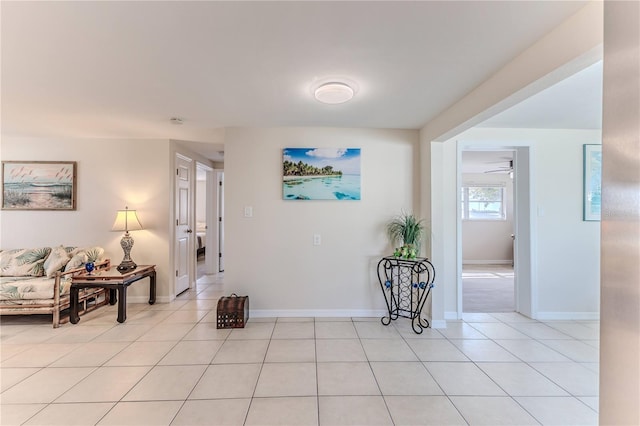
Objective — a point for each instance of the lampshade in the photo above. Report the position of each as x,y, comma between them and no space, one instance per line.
126,220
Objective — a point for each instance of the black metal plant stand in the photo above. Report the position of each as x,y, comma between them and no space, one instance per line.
406,284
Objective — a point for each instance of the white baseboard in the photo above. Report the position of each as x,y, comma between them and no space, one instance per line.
568,316
307,313
360,313
545,316
487,262
324,313
438,324
329,313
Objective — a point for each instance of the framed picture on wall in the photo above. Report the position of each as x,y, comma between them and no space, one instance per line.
38,185
592,196
321,174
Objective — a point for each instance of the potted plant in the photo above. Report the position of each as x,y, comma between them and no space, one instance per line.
408,230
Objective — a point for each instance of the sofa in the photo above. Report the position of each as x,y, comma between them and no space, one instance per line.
37,280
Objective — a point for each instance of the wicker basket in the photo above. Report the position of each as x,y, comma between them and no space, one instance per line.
233,311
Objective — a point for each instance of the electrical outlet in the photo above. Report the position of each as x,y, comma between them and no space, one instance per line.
248,211
317,239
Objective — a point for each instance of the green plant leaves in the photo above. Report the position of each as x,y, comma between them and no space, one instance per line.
406,229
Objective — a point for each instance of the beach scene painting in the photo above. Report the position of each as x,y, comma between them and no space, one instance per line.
592,181
39,185
321,174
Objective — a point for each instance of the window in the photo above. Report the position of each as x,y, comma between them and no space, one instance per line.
482,202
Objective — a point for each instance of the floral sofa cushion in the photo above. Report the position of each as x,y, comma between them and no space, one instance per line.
30,288
80,256
27,276
56,260
23,262
76,261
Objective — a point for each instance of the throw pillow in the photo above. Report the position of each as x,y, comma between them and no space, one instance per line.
80,256
94,254
76,261
55,261
23,262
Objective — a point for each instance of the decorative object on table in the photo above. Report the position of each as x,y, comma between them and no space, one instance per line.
321,174
89,267
38,185
233,311
126,220
407,251
406,285
592,191
408,230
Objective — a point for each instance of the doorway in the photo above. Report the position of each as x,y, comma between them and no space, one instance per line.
196,215
524,286
487,210
205,221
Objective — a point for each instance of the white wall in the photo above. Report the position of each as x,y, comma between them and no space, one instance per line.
111,174
201,205
270,256
567,247
489,241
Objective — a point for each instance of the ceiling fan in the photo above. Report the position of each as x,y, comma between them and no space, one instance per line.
503,169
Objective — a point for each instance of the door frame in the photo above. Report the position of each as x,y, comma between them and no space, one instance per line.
210,209
525,225
220,219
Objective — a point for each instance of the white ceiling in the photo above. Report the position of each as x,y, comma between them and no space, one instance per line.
574,103
123,69
485,161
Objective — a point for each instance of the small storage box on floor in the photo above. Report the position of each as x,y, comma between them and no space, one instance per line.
233,311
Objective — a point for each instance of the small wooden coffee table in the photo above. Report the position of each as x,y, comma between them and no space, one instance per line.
112,280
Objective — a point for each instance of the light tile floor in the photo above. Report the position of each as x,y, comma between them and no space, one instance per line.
169,365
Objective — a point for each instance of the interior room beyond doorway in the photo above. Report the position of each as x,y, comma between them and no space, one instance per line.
487,227
487,288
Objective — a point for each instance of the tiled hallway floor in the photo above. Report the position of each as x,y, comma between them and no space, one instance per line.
169,365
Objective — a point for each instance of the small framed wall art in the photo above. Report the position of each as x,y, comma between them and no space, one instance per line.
592,196
321,174
38,185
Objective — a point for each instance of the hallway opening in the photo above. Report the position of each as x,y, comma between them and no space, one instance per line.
487,289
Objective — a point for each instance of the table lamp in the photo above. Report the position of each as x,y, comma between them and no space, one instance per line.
126,220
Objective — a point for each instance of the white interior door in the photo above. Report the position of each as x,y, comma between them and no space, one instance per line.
524,256
183,231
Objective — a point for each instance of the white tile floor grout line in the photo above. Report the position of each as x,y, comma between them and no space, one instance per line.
21,336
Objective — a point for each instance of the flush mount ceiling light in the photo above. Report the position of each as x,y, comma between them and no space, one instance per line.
334,93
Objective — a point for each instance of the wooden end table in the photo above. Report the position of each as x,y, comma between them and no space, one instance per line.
112,280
